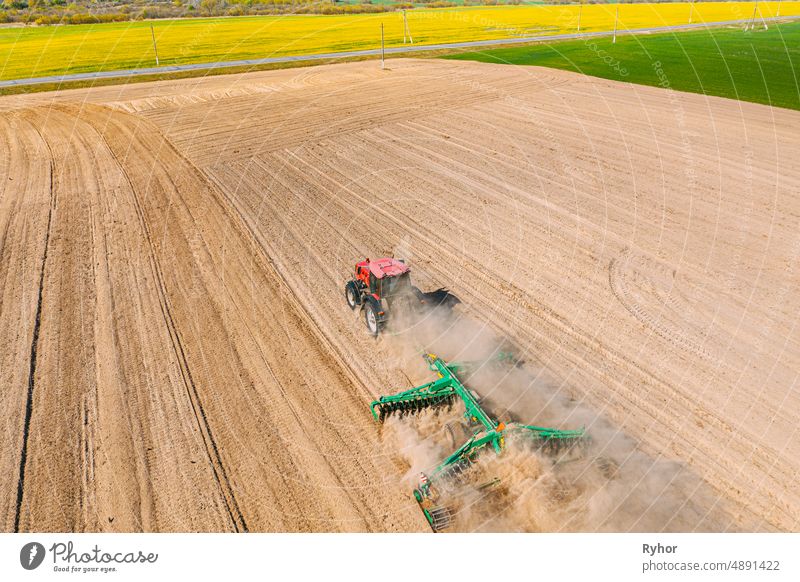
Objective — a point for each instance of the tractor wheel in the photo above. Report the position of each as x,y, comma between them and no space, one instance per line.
371,318
351,294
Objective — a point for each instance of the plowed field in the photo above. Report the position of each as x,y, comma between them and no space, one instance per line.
178,356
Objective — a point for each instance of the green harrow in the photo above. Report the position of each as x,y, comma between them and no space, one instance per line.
487,433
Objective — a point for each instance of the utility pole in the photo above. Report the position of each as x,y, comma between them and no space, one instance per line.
406,29
155,46
383,57
752,24
580,13
616,18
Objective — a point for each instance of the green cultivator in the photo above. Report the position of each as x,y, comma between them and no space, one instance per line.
487,433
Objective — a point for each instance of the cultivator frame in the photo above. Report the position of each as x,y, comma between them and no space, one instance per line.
488,433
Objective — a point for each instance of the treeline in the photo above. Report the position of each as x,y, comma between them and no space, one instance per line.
59,12
81,18
50,12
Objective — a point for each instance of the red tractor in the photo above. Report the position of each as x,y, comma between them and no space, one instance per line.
379,286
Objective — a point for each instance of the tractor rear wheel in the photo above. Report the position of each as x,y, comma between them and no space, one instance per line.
371,318
351,294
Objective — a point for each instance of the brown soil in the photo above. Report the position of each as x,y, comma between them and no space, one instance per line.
177,351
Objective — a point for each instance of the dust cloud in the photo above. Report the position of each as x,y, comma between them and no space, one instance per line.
610,485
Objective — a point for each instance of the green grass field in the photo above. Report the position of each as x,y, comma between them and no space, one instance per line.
33,51
762,66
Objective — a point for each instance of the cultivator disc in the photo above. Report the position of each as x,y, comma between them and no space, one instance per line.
454,474
555,442
440,518
556,446
411,406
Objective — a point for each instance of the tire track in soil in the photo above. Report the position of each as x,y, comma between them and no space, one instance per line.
72,484
34,349
235,515
33,354
191,387
60,485
199,411
160,400
618,286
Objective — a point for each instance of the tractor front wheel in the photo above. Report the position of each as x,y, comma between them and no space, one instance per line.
371,318
351,294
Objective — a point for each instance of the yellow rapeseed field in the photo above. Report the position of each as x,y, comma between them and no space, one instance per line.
50,50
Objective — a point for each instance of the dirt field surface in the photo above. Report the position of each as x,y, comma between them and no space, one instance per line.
178,355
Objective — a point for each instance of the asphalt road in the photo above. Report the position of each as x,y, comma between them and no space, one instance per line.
362,53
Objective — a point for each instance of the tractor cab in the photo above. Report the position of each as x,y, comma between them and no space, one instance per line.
383,277
376,286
